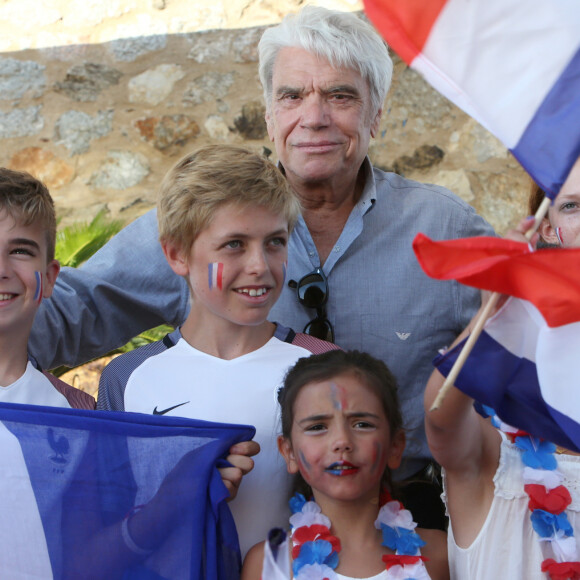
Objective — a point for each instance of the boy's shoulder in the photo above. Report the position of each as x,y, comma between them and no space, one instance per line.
310,343
76,398
116,374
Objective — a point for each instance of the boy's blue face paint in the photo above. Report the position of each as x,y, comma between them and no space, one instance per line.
215,272
38,292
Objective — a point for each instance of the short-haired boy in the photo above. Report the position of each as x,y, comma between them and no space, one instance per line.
28,272
225,215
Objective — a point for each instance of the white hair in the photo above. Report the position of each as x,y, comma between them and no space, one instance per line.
342,38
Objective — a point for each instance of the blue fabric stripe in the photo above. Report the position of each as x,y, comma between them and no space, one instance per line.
569,426
88,469
550,145
509,384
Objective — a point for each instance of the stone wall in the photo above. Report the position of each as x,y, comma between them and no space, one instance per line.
100,102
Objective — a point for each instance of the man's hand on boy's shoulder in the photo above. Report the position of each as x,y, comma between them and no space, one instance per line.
240,458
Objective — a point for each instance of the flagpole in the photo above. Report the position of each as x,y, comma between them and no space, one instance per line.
471,339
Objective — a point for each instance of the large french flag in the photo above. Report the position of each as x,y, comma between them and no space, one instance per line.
513,65
525,362
73,479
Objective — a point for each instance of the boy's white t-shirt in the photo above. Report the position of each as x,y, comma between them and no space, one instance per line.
23,549
196,385
33,388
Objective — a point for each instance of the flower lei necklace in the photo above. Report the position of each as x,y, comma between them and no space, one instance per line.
315,550
548,498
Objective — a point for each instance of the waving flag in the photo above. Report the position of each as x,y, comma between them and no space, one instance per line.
89,494
513,65
525,363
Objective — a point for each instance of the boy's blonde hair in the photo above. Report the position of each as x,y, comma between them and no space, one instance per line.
215,175
27,201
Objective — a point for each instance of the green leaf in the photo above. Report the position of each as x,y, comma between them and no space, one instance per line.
76,243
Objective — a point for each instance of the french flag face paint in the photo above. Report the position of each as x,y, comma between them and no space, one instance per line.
215,272
303,461
336,397
38,293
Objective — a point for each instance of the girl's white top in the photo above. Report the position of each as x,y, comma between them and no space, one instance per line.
507,545
380,576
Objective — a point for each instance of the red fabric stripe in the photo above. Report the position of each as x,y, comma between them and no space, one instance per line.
549,279
404,24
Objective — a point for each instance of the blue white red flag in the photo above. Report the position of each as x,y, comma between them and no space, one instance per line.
513,66
525,362
89,494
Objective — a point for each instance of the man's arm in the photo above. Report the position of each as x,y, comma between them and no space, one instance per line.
124,289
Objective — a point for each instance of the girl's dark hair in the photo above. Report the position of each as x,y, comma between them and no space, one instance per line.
373,372
535,197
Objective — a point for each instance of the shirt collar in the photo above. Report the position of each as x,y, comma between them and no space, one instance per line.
369,193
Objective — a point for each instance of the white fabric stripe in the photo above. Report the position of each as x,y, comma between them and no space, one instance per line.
23,549
520,328
482,46
515,326
558,355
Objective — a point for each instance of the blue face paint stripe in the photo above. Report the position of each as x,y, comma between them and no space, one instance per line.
38,293
303,460
334,392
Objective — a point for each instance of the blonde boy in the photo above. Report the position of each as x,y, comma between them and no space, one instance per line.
225,215
28,272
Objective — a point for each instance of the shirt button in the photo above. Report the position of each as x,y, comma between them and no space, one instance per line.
337,248
311,254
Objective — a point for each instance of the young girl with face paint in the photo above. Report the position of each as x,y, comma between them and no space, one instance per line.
341,437
513,500
561,226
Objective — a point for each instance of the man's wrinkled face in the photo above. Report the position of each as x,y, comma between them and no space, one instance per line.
320,118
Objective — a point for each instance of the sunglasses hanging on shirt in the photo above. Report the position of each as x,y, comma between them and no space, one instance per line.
312,292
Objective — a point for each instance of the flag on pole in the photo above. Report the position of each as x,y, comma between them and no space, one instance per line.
513,65
524,364
89,494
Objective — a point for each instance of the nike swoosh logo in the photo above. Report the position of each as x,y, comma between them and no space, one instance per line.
156,412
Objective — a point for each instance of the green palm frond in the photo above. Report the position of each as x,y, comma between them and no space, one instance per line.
148,336
78,242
